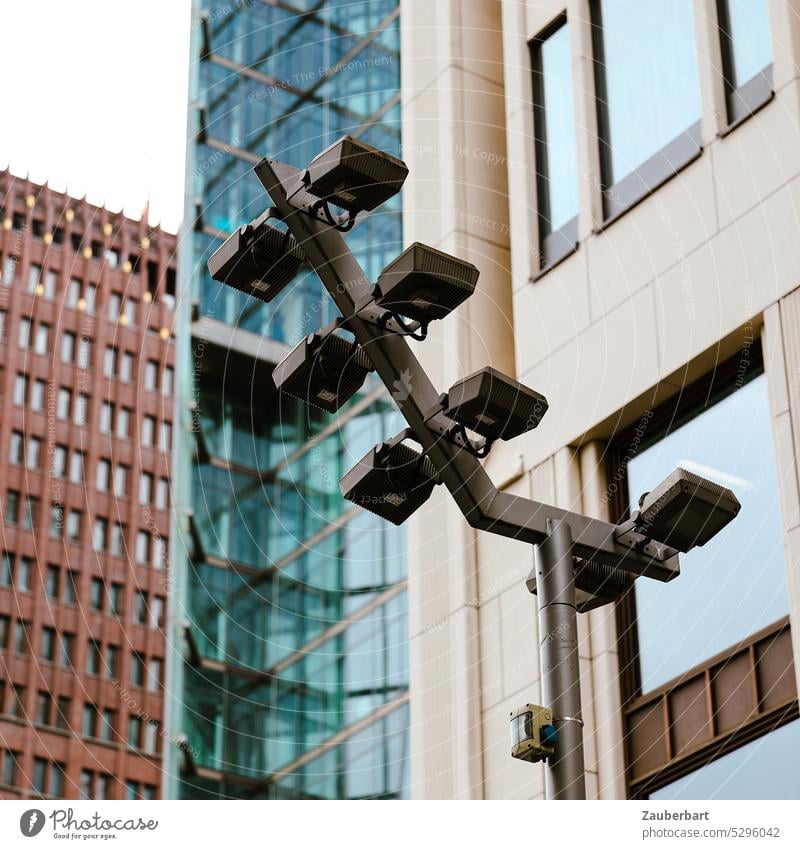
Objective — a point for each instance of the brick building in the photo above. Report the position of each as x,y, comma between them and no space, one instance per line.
86,386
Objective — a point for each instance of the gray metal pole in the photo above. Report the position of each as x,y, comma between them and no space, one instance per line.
558,652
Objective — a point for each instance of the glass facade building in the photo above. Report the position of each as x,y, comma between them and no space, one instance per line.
288,676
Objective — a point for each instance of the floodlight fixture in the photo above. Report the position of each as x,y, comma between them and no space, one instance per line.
494,405
392,480
425,284
685,510
354,175
324,370
596,584
257,259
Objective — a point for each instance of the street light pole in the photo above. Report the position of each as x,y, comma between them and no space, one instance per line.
580,562
558,654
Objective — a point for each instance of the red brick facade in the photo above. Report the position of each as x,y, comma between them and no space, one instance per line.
86,379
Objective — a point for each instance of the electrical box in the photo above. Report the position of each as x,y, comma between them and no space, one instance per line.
533,734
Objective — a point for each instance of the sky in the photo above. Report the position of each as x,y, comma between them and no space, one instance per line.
94,100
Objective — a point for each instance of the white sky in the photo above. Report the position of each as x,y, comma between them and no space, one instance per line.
94,99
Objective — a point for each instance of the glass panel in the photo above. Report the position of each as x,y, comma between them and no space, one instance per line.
737,583
556,157
749,42
763,769
649,68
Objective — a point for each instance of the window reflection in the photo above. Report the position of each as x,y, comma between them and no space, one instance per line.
737,583
648,91
746,33
556,158
763,769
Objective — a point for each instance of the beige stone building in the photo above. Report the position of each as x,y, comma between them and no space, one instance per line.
627,178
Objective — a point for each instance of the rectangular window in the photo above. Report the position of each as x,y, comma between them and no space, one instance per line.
40,775
108,722
81,409
24,333
121,481
140,608
168,381
106,417
648,95
5,624
746,55
67,650
145,486
142,547
9,270
12,507
52,584
110,362
126,367
44,707
87,781
165,436
124,422
59,467
117,547
154,674
57,771
42,341
151,375
71,587
73,293
16,450
103,476
37,395
21,637
148,431
115,599
162,494
97,594
74,526
100,535
63,404
56,521
20,389
89,727
48,647
67,347
112,661
34,452
24,573
556,156
138,668
76,467
34,272
62,712
134,732
93,658
50,285
30,516
114,304
11,768
84,352
736,586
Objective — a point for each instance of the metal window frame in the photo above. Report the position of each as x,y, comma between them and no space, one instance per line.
704,393
554,245
745,100
662,166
